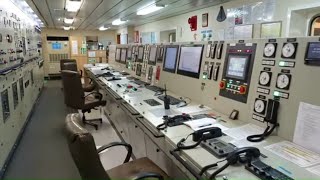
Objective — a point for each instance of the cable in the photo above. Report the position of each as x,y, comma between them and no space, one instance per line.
261,137
184,99
204,169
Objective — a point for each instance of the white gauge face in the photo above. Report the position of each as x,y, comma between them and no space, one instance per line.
269,50
283,81
288,50
264,78
259,106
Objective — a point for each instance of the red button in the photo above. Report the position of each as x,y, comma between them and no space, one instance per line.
243,89
222,85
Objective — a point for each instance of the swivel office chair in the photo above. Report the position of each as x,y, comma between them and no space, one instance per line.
86,157
74,96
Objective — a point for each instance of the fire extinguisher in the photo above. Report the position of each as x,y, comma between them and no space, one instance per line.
158,73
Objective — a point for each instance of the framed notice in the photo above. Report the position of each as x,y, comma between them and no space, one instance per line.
205,20
243,31
271,29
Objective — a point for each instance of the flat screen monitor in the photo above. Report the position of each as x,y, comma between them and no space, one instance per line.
153,55
118,54
313,53
123,55
56,46
190,60
237,67
140,54
170,61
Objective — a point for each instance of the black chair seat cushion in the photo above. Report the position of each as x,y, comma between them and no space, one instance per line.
91,104
88,88
132,168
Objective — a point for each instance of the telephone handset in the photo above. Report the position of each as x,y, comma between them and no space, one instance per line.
271,117
199,136
242,155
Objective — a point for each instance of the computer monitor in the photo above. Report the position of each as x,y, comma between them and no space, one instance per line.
237,67
153,55
313,54
123,55
190,60
170,61
140,54
118,54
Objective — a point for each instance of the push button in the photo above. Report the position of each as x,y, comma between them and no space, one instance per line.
243,89
222,85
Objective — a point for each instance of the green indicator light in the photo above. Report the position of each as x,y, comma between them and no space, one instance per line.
282,63
276,93
204,76
228,85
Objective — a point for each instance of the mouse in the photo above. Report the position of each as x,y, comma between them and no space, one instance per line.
182,104
158,93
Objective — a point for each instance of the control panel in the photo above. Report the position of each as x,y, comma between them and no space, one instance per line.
5,105
15,95
237,71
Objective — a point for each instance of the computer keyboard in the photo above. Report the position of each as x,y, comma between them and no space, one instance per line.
155,88
152,102
173,101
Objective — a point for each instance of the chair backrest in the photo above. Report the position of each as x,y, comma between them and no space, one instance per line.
83,149
72,66
73,90
63,61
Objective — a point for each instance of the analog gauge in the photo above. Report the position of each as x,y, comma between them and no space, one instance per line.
270,50
260,106
283,81
289,50
265,78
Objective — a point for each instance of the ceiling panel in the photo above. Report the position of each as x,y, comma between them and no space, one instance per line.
57,12
88,7
43,8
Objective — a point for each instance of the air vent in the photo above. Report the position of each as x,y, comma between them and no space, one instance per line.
57,38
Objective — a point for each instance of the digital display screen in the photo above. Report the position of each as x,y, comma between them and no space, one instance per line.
237,67
118,54
313,51
123,55
140,53
153,55
190,59
56,46
170,58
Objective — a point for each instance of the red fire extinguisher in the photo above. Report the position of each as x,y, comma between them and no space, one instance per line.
158,73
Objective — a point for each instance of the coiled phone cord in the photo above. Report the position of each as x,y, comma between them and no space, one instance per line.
261,137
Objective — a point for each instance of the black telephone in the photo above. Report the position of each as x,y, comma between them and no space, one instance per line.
241,155
173,121
271,117
198,136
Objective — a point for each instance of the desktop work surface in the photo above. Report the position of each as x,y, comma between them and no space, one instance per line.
138,122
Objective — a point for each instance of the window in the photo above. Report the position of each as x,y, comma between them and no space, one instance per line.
315,26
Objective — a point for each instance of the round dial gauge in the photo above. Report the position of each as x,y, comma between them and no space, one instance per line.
269,50
264,78
283,81
288,50
259,106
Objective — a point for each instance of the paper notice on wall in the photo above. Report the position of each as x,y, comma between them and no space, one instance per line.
307,130
294,153
74,47
315,170
91,54
244,131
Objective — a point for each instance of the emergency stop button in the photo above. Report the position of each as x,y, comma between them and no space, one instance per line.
243,89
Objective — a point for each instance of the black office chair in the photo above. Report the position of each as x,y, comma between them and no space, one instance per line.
86,157
74,96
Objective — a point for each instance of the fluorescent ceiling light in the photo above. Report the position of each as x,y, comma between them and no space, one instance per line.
68,21
73,5
104,28
67,28
149,9
118,22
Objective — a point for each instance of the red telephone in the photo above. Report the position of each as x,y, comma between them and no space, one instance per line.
193,21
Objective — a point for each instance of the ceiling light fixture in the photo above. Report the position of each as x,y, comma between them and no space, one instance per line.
149,9
68,21
66,28
118,22
102,28
73,5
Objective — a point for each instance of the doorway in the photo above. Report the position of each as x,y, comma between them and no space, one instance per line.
118,38
315,26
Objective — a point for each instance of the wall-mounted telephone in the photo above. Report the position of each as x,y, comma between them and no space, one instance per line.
199,136
271,117
241,155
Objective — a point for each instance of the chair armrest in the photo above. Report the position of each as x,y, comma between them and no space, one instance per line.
128,147
81,73
95,93
145,175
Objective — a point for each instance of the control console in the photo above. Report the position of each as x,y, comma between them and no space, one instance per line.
237,71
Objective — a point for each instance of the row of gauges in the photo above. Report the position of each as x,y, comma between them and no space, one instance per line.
283,80
288,50
214,50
